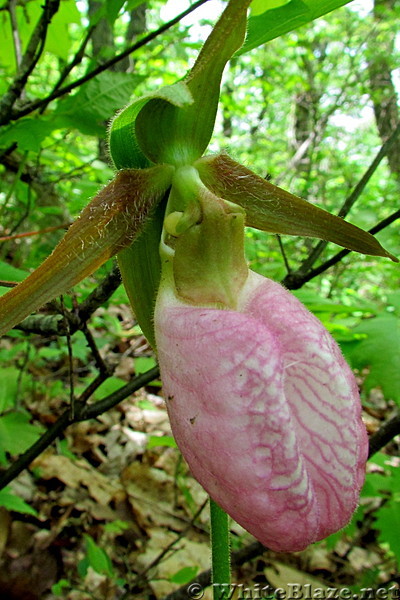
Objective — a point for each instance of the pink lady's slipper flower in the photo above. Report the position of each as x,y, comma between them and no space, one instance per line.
262,403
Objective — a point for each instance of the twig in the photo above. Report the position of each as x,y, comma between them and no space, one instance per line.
100,364
384,435
296,280
55,325
104,66
82,412
283,253
29,60
15,32
17,236
74,62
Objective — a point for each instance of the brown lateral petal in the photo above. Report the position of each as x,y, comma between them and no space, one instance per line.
270,208
107,225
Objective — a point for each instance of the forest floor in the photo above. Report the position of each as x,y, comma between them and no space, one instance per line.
119,516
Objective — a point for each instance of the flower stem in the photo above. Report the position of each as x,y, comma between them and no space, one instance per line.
220,551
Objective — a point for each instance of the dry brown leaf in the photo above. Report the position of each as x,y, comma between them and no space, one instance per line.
76,474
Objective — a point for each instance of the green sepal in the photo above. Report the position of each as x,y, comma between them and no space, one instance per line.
125,149
109,223
208,263
270,208
180,135
140,267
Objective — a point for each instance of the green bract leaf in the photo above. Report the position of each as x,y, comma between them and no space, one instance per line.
180,135
277,21
124,146
140,267
270,208
107,225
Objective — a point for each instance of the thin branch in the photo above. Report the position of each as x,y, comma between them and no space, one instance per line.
29,60
74,62
55,325
82,411
295,281
283,253
15,32
17,236
104,66
384,435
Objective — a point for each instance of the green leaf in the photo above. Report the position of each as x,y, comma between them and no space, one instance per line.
184,575
57,588
113,8
10,273
144,363
12,502
379,351
276,21
132,4
11,381
98,558
27,133
116,526
164,440
109,386
16,433
388,525
96,101
260,6
58,39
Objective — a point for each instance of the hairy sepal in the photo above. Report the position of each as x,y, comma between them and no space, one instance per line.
272,209
265,411
107,225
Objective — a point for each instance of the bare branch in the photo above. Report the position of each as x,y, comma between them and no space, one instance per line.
29,60
15,32
104,66
55,324
384,435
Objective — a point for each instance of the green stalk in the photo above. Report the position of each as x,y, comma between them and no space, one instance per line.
220,552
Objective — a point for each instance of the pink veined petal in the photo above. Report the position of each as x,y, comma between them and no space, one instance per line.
266,412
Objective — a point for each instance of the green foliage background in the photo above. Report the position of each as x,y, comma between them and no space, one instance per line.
311,86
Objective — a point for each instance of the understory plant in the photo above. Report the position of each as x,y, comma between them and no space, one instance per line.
262,404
